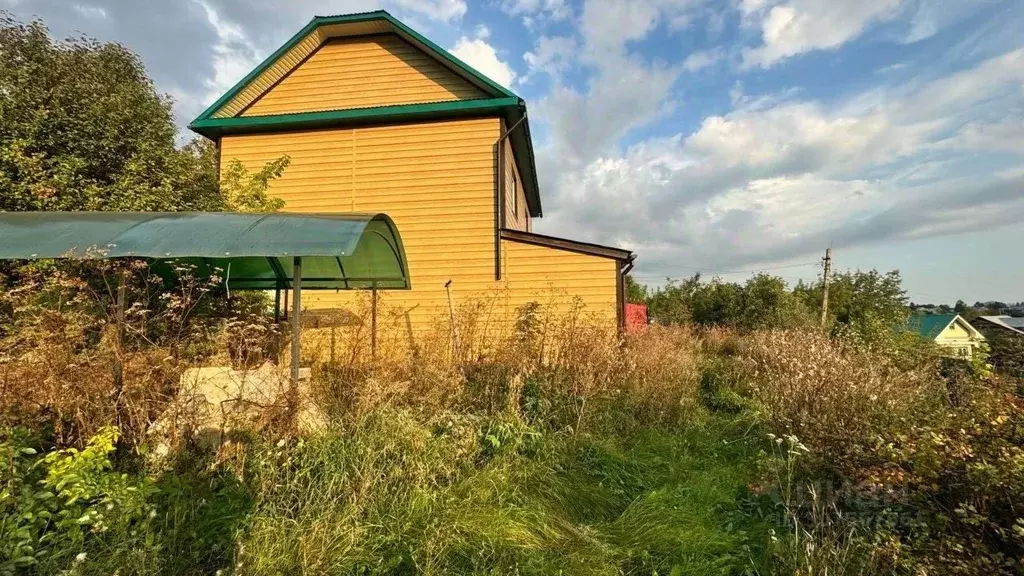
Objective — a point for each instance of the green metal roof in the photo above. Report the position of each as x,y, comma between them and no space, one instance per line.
251,251
930,326
502,102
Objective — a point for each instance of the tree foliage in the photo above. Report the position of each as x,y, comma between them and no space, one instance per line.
867,303
85,129
764,301
244,191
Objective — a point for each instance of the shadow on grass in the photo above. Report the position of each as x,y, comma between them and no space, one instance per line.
669,503
203,509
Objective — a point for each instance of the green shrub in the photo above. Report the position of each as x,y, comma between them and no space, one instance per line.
60,507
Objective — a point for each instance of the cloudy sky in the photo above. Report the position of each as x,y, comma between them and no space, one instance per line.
717,136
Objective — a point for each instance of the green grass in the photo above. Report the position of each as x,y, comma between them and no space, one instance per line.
464,495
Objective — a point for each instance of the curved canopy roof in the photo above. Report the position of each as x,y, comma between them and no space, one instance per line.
251,251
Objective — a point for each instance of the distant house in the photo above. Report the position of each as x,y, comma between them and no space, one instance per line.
1005,337
950,331
1008,325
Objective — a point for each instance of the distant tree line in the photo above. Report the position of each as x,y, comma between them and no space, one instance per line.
860,300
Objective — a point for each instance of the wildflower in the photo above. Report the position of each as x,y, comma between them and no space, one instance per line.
80,557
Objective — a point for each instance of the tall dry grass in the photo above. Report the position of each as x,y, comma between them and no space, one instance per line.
558,368
829,393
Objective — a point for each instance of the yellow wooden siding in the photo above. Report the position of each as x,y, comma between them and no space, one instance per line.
436,180
517,216
953,332
363,72
291,59
555,278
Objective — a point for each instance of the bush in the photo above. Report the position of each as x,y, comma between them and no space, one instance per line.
61,507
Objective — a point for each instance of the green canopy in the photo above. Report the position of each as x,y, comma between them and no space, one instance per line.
251,251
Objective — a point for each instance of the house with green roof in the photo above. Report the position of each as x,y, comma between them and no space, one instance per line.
374,117
950,331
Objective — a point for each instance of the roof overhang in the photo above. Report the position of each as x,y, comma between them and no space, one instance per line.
222,117
250,251
619,254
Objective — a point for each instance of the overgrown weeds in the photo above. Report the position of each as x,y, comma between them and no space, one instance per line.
555,448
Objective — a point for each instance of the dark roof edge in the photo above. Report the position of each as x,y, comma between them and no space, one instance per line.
587,248
213,127
526,162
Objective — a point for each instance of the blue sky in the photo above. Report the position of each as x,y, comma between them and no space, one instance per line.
729,135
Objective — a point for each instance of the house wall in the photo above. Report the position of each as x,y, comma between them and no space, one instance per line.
363,72
958,339
435,180
517,215
561,280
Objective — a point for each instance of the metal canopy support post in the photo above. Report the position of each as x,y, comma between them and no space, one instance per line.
277,304
296,322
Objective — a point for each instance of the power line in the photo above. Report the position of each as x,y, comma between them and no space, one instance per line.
716,271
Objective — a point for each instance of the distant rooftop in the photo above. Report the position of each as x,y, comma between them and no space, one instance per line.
930,325
1008,322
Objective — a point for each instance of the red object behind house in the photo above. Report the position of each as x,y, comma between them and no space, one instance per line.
636,318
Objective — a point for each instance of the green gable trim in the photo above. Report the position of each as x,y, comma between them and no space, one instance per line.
403,30
306,30
444,54
214,127
504,102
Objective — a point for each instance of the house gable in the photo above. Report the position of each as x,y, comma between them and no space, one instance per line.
958,329
363,72
454,91
324,29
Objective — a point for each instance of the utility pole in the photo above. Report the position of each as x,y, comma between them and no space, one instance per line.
824,288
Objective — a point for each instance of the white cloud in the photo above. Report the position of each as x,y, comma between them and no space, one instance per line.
91,12
795,27
479,54
931,16
609,25
777,178
548,9
551,55
441,10
703,59
1006,136
234,54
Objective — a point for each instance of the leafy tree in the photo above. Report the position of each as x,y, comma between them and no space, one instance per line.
635,292
85,129
247,192
672,303
866,302
763,302
766,302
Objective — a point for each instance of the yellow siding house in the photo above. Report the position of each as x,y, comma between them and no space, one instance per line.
376,118
955,335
